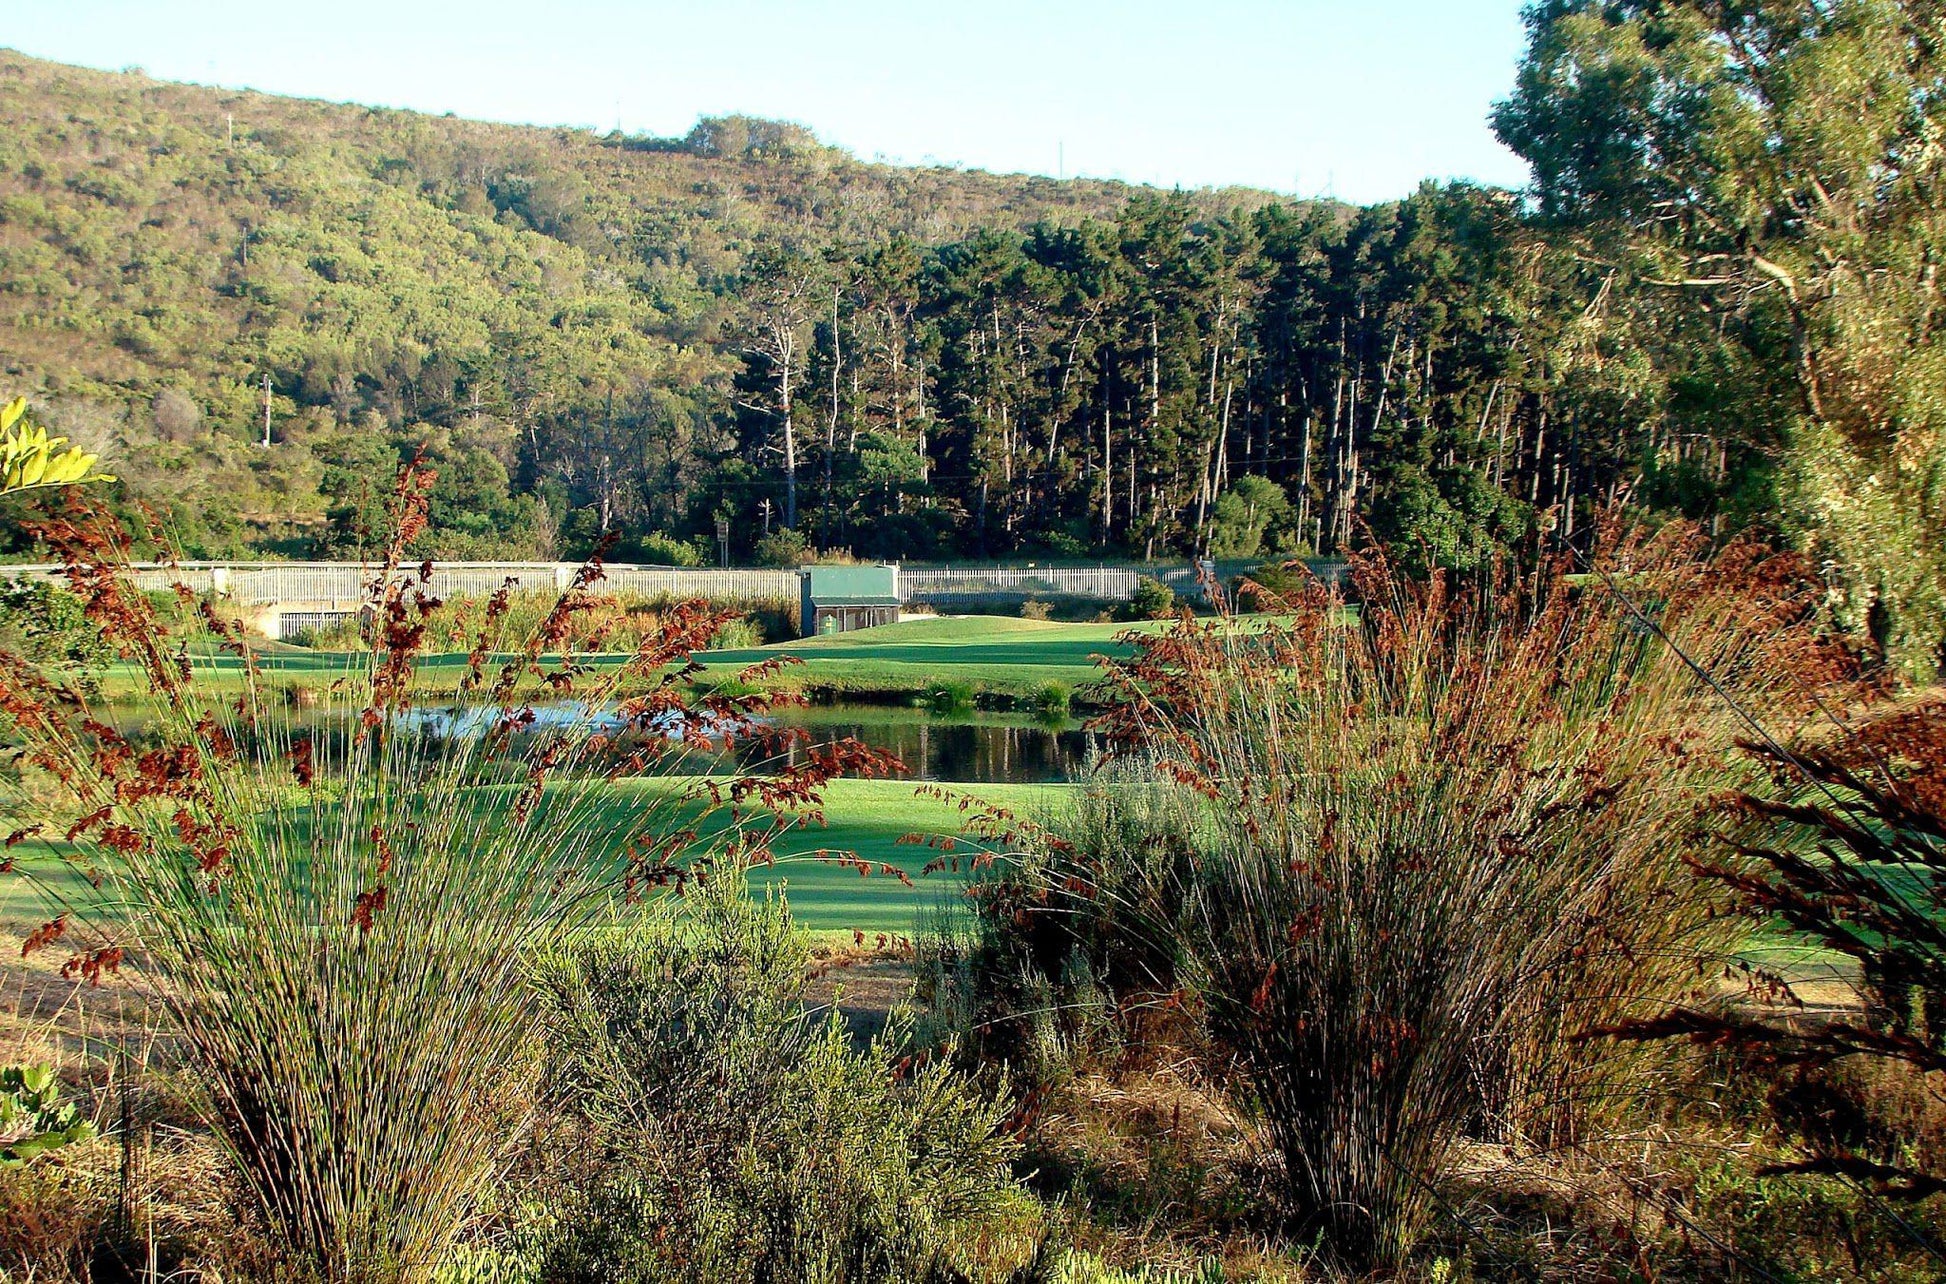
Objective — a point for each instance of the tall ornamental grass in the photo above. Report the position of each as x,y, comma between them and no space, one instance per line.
335,912
1405,849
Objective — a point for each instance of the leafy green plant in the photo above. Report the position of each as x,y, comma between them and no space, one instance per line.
30,459
951,695
662,549
45,621
1249,518
1051,700
737,635
33,1118
784,547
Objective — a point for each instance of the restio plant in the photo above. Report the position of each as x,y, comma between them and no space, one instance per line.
1847,848
1395,863
33,1118
335,911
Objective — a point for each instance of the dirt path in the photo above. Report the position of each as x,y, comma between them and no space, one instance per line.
865,991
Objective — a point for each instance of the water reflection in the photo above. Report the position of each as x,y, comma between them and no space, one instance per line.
976,749
983,751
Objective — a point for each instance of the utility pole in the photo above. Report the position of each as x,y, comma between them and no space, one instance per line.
266,409
765,506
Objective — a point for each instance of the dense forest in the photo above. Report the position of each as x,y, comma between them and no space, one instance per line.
641,336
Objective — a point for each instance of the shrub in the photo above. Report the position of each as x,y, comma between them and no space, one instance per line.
45,622
1151,600
1271,581
1249,517
660,549
737,635
713,1128
784,547
1051,700
614,623
1413,854
336,923
1051,977
1032,609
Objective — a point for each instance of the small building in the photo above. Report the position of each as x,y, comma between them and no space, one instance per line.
838,599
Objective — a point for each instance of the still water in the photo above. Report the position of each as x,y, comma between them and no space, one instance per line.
977,748
973,749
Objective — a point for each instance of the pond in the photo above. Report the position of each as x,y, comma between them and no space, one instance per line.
971,748
967,748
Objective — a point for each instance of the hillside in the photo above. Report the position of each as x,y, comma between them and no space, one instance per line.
156,231
163,247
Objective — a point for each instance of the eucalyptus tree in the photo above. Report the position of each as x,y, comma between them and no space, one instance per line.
1772,168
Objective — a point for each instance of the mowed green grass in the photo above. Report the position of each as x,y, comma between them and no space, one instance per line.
991,652
866,817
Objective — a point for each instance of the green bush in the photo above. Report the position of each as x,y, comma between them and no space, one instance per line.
737,635
1152,600
1259,590
707,1126
660,549
1047,978
1051,699
786,548
44,622
1252,515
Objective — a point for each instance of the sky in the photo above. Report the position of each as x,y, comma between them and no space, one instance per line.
1358,99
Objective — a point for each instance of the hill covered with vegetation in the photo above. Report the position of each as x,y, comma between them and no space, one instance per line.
404,280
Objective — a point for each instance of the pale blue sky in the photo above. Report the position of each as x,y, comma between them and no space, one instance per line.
1361,99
